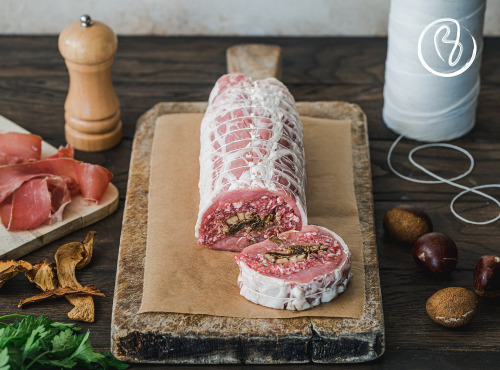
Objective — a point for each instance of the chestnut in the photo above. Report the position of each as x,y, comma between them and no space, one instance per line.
452,307
487,276
436,253
407,223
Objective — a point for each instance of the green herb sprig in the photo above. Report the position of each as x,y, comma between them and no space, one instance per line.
40,343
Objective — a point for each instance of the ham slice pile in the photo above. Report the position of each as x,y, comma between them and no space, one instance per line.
34,191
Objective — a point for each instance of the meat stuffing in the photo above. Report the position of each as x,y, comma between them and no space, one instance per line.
252,174
295,270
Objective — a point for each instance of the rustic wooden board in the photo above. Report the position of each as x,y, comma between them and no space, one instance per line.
257,61
77,215
202,339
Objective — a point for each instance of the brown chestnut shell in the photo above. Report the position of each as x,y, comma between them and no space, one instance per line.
407,223
487,276
436,252
452,307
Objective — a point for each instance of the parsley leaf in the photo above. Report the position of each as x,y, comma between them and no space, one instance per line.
84,353
33,344
40,343
64,343
111,362
64,326
65,363
4,359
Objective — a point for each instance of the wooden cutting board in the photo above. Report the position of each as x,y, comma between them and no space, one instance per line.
202,339
77,215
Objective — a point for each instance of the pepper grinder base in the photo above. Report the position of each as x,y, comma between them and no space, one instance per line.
93,142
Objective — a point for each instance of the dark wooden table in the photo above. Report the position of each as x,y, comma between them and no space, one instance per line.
148,70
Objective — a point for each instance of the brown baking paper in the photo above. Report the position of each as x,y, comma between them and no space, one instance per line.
182,277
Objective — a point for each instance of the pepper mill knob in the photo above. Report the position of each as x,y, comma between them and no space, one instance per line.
85,20
92,109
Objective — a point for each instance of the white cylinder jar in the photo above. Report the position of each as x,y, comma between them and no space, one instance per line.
432,67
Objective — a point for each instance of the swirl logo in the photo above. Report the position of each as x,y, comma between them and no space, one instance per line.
448,40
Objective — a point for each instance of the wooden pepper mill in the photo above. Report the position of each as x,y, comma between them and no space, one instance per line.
92,109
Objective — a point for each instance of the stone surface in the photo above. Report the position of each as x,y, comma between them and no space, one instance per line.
200,339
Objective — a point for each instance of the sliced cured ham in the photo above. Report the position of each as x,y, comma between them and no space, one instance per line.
295,270
17,147
67,151
252,175
35,202
36,191
88,179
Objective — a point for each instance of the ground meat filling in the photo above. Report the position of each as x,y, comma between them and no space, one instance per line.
256,220
310,250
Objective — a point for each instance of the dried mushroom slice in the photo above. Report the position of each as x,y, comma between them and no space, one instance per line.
276,240
252,221
90,289
294,253
9,269
69,257
43,275
88,246
84,309
58,279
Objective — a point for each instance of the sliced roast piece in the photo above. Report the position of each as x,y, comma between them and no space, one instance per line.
295,270
252,175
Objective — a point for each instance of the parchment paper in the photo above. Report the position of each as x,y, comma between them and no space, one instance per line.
182,277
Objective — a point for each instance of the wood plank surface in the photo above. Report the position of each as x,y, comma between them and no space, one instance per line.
147,70
257,61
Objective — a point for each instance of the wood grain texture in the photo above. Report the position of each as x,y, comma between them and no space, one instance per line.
257,61
147,70
77,214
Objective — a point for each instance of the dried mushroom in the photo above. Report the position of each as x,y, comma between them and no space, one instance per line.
88,246
248,220
276,240
69,257
294,253
58,279
90,289
9,269
43,275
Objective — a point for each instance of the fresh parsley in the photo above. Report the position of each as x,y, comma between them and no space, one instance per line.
40,343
